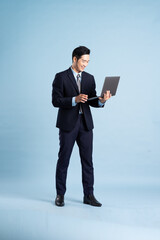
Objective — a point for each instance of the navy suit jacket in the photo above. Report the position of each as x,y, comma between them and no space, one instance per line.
64,88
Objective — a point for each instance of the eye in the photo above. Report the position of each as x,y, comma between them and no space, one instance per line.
85,61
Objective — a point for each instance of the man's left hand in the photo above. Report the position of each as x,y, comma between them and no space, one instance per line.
107,95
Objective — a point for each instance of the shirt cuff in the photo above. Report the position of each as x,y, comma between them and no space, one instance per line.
74,102
100,104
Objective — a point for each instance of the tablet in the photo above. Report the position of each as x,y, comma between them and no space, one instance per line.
110,83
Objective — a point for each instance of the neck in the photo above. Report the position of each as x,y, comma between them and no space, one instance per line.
75,69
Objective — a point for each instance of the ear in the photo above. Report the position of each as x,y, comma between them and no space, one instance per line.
74,59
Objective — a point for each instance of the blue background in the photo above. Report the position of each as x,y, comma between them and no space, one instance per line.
37,39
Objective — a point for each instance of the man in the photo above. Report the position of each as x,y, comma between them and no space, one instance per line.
71,90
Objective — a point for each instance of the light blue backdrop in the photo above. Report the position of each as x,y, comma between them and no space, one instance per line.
37,39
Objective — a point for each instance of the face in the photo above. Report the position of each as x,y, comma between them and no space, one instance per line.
81,64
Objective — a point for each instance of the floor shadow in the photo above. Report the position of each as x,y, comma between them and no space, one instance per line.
73,200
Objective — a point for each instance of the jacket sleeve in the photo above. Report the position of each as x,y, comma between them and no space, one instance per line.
58,98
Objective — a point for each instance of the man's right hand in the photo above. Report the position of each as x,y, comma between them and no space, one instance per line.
81,98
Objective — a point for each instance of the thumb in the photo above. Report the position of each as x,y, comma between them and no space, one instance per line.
100,98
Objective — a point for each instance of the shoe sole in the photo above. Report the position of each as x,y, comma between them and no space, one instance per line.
89,203
59,205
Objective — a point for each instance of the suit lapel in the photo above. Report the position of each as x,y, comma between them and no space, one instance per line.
70,75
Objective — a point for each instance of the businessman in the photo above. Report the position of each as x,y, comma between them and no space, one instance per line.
70,93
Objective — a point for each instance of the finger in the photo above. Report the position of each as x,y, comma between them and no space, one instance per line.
108,95
83,99
85,96
101,99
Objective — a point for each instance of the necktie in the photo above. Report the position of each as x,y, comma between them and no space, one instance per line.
79,88
79,82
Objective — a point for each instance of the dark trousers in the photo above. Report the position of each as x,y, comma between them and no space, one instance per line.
84,141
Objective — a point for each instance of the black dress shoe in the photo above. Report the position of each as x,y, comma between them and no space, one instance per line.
59,201
91,200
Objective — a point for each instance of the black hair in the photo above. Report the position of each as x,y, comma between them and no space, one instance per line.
79,51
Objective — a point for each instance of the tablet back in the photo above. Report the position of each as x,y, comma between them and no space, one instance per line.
110,83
